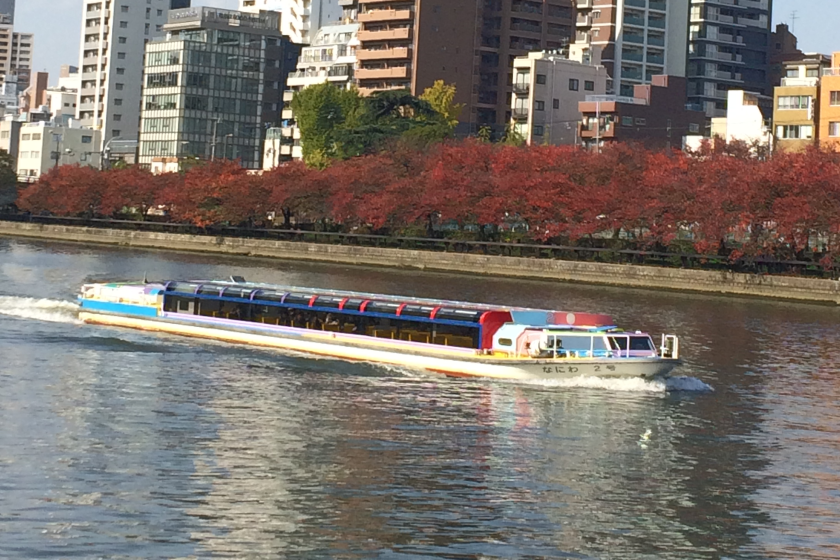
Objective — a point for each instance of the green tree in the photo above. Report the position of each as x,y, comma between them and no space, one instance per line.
513,137
441,97
321,112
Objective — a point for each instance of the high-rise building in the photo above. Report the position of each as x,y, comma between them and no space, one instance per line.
796,106
7,8
20,63
727,49
300,19
637,39
114,33
469,43
213,86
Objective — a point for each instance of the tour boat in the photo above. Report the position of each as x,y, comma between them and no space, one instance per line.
449,337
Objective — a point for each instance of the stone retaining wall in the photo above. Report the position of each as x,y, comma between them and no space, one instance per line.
780,287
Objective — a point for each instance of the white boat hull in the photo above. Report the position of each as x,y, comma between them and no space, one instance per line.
453,362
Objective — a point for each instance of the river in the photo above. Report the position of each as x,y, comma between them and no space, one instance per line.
124,444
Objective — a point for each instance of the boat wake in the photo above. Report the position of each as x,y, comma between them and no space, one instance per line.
630,384
52,310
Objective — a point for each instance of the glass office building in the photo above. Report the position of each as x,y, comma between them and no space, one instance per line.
214,85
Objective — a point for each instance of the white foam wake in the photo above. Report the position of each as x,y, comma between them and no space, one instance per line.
629,384
55,311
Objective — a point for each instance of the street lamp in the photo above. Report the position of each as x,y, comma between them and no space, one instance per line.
106,152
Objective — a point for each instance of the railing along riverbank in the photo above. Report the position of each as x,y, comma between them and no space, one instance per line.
690,261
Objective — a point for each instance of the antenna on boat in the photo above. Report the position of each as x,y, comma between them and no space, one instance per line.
145,278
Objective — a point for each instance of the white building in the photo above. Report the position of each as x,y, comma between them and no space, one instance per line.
300,19
62,104
547,89
330,57
744,122
44,145
114,33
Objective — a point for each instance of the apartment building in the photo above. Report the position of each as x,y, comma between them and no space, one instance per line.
547,89
114,33
214,85
20,62
828,108
469,43
727,49
796,108
655,116
300,20
637,39
331,57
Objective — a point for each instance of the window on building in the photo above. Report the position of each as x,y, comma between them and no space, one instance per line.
834,129
792,73
574,84
123,25
541,79
116,133
121,55
835,98
538,130
36,136
641,122
25,137
556,103
117,118
87,139
122,40
626,121
694,128
812,73
795,132
124,9
120,71
794,102
589,85
119,86
539,105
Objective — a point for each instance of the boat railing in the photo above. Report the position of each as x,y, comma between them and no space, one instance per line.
670,347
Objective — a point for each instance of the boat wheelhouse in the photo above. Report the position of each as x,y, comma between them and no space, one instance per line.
454,338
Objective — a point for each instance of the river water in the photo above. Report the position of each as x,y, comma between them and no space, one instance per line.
124,444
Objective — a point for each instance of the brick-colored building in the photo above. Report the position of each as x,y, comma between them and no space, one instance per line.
656,116
470,43
828,131
796,102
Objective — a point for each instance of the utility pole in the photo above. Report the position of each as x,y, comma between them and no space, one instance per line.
57,152
598,126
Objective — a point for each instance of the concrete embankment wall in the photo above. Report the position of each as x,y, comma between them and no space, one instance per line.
779,287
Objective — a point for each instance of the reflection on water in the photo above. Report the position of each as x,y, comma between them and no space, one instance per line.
126,444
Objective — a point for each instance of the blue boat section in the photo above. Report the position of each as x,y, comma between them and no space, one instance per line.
119,308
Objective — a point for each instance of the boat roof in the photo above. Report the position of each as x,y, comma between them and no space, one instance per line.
520,315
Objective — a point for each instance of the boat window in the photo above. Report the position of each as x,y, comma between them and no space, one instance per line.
328,302
618,342
641,343
183,287
574,342
298,299
417,311
466,315
505,342
275,297
209,290
354,304
239,293
386,308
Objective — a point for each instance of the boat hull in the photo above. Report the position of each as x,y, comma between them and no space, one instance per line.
452,362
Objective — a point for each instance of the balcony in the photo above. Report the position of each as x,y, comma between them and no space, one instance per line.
401,34
382,73
386,16
522,88
520,113
397,53
584,20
